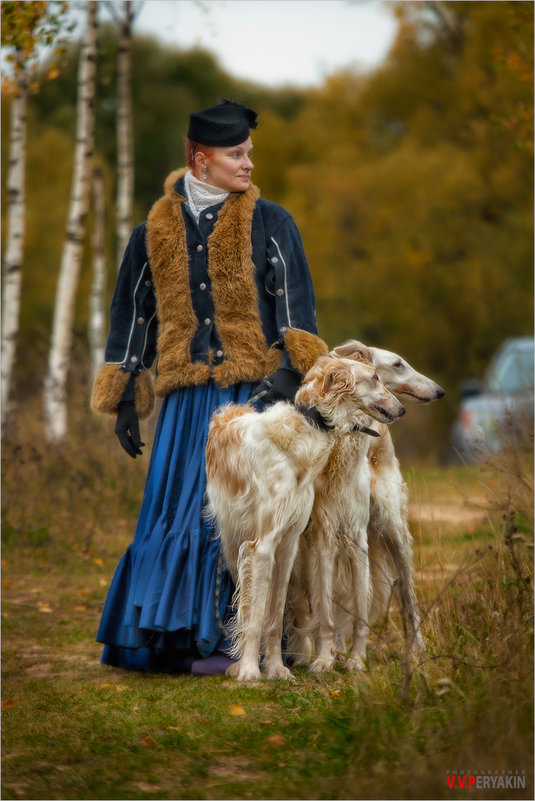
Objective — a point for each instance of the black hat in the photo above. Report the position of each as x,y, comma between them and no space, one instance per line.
223,125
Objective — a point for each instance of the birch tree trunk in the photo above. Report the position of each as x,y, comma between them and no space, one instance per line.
125,154
58,365
15,238
97,316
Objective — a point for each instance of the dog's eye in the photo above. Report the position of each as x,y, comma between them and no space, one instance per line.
398,365
375,377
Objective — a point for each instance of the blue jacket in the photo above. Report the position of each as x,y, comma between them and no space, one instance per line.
228,298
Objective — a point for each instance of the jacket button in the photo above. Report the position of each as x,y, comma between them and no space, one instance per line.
148,283
200,248
280,292
274,260
207,321
134,359
209,216
202,286
140,320
219,353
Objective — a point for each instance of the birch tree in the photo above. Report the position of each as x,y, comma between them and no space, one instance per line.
125,140
124,17
58,364
97,318
25,26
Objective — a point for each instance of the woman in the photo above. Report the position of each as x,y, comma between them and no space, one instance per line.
215,285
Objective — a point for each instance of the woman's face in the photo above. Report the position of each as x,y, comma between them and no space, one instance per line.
229,168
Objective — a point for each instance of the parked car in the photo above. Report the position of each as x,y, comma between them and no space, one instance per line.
499,410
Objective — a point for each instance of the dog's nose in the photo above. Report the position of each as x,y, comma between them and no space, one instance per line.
402,411
440,392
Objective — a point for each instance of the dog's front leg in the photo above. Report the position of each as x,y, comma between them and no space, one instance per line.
254,576
322,571
361,573
284,560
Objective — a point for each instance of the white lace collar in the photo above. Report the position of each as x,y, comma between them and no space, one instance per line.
201,195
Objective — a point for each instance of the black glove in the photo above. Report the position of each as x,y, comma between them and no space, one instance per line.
281,385
127,428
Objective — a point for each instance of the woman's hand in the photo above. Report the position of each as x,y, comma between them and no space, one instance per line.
127,429
281,385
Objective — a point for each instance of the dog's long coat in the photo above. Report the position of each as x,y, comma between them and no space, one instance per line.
261,470
332,568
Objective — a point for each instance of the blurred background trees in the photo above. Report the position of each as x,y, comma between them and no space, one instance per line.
411,186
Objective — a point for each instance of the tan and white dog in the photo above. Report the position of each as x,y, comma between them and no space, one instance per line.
261,469
334,558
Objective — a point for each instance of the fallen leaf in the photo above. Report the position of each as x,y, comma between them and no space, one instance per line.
147,788
98,561
106,685
275,739
146,741
7,585
334,693
45,609
9,703
121,687
80,608
237,710
85,591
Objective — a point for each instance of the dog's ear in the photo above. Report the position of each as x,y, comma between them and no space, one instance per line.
337,377
353,350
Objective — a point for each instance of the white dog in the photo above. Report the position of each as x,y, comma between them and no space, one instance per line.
261,469
334,557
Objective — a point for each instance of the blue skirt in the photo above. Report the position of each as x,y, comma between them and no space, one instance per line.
170,595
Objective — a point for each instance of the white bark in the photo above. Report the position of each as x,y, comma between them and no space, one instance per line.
97,316
58,365
125,149
14,249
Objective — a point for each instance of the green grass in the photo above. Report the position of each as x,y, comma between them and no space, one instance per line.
75,729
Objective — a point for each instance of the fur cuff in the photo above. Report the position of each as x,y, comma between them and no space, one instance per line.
303,348
110,385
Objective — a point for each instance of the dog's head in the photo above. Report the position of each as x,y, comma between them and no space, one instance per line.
395,373
346,392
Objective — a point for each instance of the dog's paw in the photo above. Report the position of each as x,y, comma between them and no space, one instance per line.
322,663
418,647
278,672
355,663
242,672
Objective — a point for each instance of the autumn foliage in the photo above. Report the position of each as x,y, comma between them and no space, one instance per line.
411,186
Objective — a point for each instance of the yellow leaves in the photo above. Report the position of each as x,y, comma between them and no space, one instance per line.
237,710
98,561
275,740
9,703
120,688
44,608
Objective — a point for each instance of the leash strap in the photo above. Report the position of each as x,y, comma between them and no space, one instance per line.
314,416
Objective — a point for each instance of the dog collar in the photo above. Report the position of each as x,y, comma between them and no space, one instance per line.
366,430
314,416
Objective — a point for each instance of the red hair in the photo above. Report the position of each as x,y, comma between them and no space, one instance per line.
195,147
